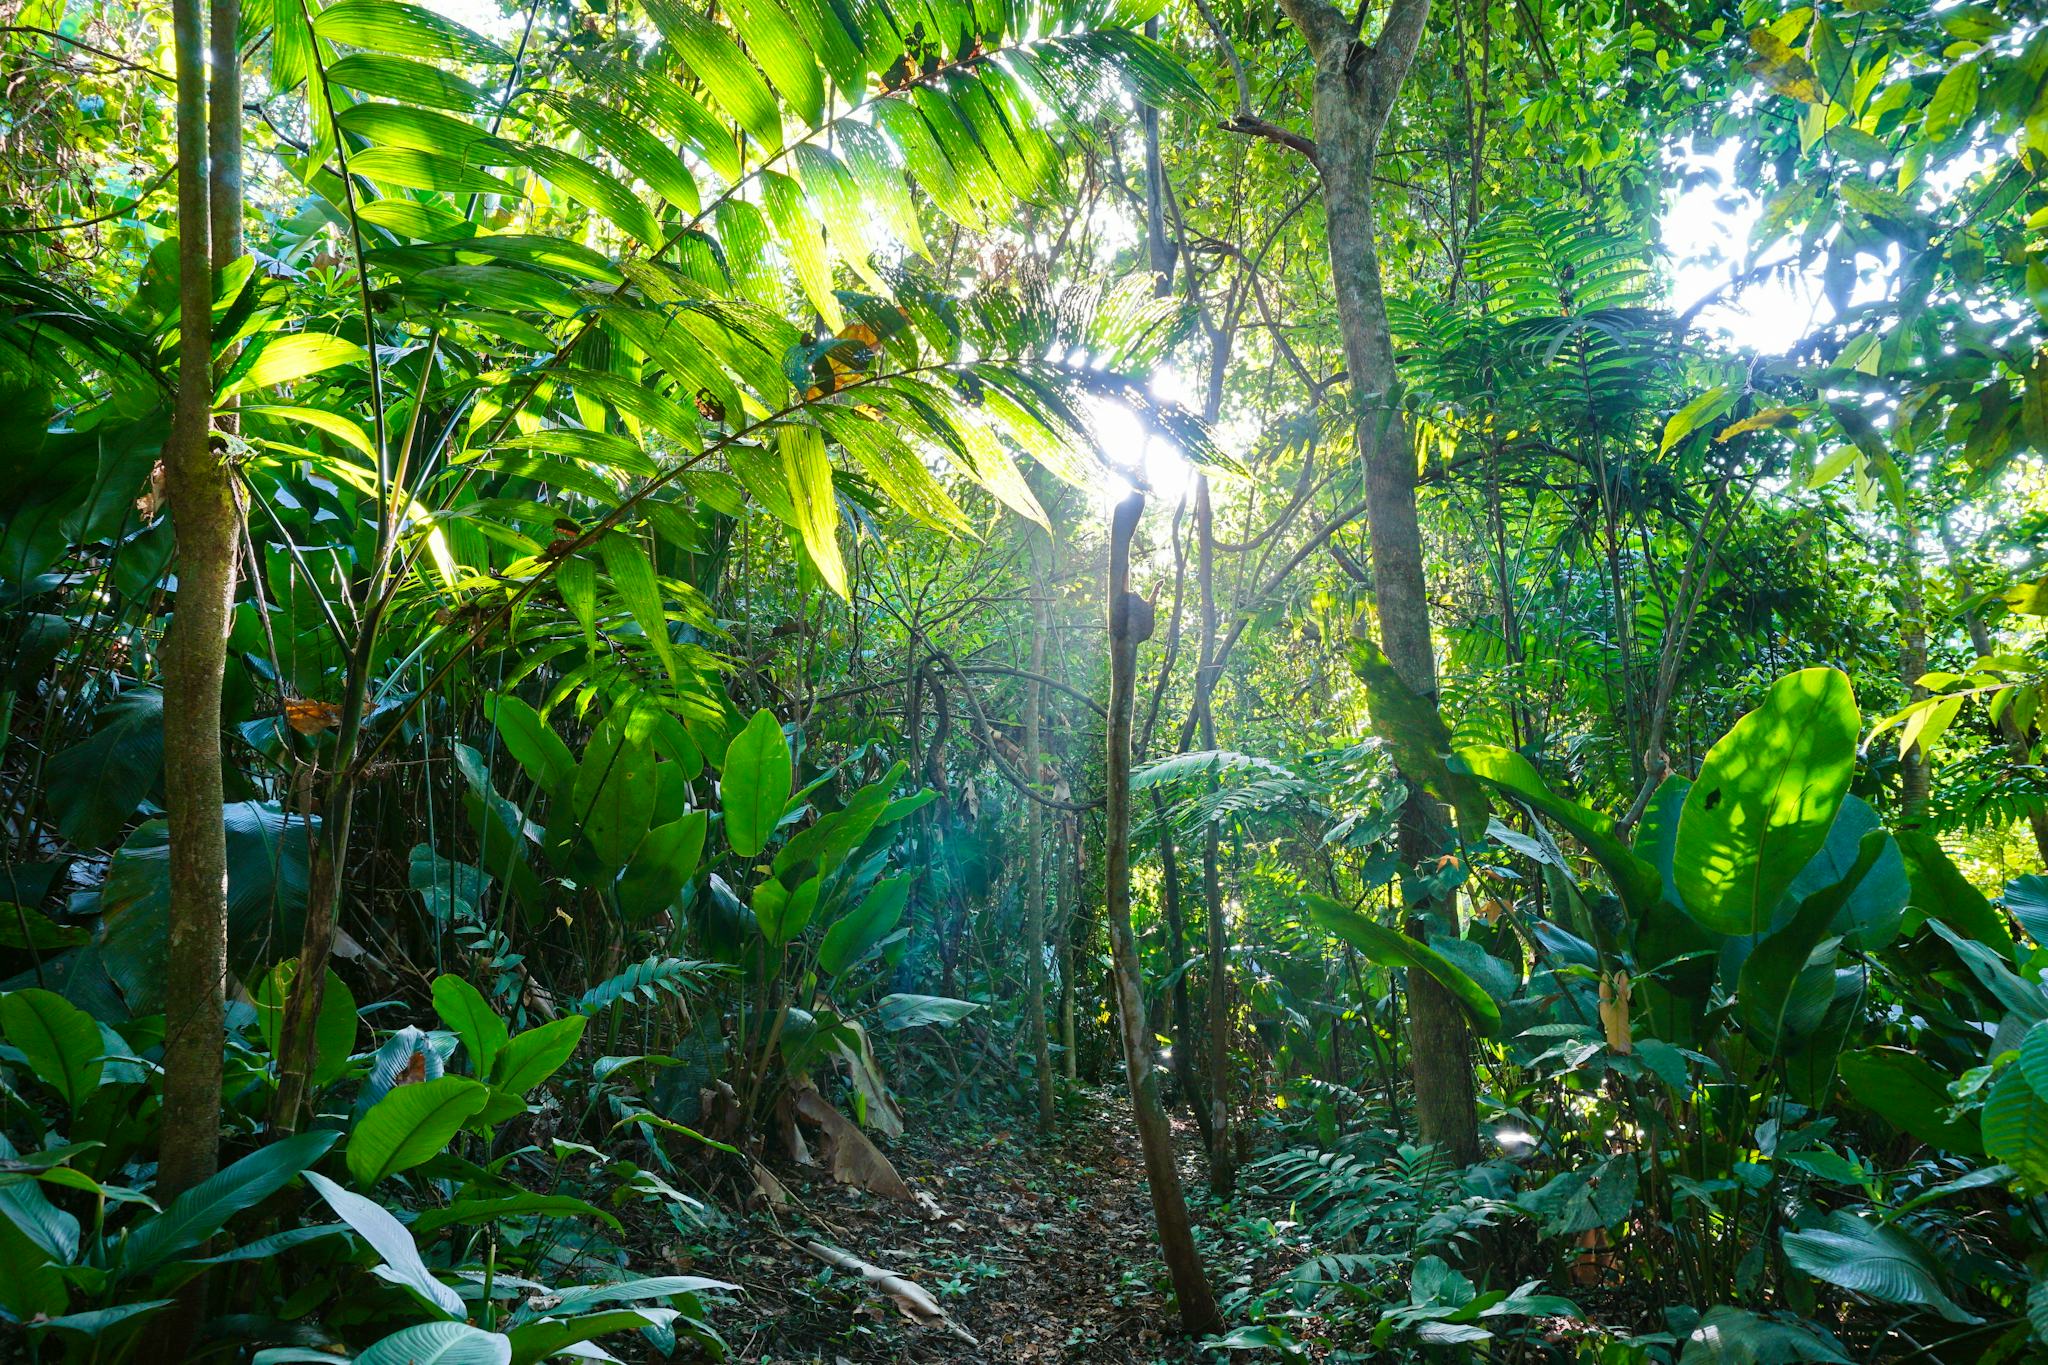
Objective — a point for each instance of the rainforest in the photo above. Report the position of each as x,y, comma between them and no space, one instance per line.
1097,681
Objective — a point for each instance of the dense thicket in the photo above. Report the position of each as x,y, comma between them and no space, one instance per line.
611,613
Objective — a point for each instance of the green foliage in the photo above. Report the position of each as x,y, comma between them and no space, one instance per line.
411,1125
1766,795
754,784
1392,948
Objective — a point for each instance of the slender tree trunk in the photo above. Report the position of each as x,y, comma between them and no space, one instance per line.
202,502
1130,621
1034,835
1981,641
1222,1151
1069,880
1912,666
1177,944
1355,88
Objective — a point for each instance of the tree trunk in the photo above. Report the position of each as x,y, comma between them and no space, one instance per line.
1222,1152
1130,621
202,502
1355,88
1034,836
1981,641
1069,879
1177,944
1912,666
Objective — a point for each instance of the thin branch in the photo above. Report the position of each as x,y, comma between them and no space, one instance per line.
100,52
119,210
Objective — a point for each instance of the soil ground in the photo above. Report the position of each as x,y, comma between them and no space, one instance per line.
1045,1252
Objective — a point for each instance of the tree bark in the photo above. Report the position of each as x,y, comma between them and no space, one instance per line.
1912,666
1034,835
202,502
1130,621
1177,944
1981,641
1222,1152
1069,878
1355,88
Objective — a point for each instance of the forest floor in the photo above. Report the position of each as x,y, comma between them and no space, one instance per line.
1044,1253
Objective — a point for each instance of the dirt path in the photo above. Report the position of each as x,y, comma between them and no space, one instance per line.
1045,1253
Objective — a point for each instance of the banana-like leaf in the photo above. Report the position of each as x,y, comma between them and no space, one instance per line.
1392,948
1883,1263
1764,801
412,1124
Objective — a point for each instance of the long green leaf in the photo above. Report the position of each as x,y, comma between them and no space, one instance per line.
1391,948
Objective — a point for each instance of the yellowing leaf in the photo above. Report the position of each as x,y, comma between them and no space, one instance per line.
1777,65
816,508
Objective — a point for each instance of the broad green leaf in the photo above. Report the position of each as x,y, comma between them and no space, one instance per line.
531,741
639,150
585,1297
1954,100
2026,900
1905,1091
784,912
94,787
471,1212
538,1053
1736,1336
1939,890
440,1343
803,242
410,1125
1764,801
809,477
407,30
666,859
753,784
1392,948
1788,979
590,186
854,935
425,130
631,568
464,1010
60,1041
96,1321
1506,771
283,358
2013,993
398,78
21,927
387,1237
203,1210
553,1335
411,169
715,59
895,1012
1882,1263
616,785
779,50
334,1032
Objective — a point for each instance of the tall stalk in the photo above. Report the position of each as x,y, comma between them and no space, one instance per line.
1130,623
199,483
1034,838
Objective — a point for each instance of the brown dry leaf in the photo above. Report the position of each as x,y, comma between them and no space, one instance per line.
768,1189
413,1072
853,1159
910,1299
1614,994
883,1114
311,717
